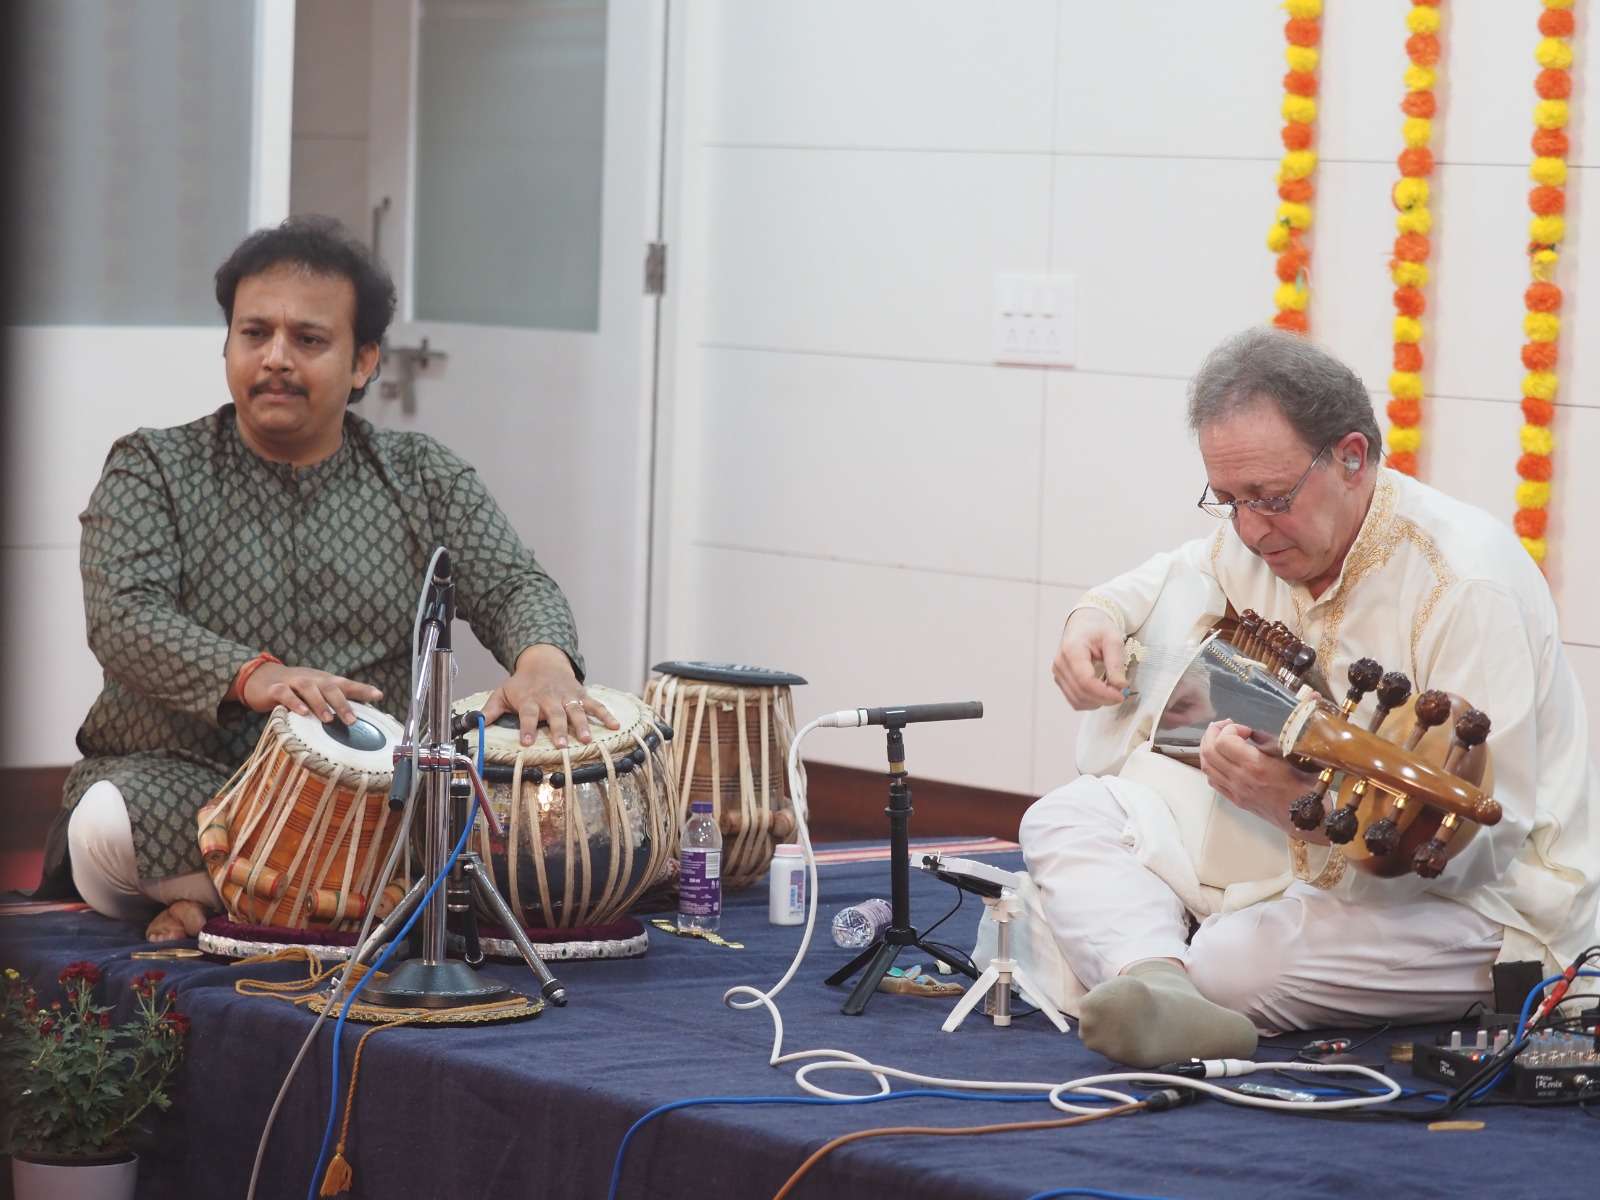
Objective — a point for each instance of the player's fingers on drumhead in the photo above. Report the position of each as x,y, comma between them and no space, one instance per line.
528,714
289,697
600,712
316,695
580,721
495,705
354,689
334,694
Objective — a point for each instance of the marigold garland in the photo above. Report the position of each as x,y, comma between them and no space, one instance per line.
1287,238
1542,322
1408,267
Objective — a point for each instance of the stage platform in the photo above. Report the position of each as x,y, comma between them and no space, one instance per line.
539,1108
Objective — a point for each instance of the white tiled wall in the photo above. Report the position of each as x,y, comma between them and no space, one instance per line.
859,495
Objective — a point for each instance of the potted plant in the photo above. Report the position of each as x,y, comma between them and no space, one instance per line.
77,1087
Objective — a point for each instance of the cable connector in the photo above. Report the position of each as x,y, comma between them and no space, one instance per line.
1170,1098
845,718
1208,1068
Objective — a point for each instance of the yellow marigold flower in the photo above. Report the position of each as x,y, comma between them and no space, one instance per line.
1537,439
1558,3
1297,215
1410,192
1541,327
1423,20
1550,114
1535,547
1421,79
1278,238
1405,385
1541,385
1404,437
1304,109
1552,172
1554,54
11,973
1532,495
1301,58
1542,265
1291,296
1407,329
1409,274
1414,220
1304,9
1416,131
1547,231
1297,164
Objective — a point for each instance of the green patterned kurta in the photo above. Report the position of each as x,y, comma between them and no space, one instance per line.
197,555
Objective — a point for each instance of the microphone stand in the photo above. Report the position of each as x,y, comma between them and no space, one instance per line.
432,979
880,956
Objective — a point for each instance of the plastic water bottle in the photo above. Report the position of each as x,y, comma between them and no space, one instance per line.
700,870
786,886
857,927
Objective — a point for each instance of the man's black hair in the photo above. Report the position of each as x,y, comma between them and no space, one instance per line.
322,246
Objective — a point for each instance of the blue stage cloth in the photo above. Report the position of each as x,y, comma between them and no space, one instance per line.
538,1108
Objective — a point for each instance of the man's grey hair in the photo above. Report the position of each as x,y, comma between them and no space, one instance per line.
1321,398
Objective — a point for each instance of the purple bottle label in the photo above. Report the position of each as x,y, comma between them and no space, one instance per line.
700,882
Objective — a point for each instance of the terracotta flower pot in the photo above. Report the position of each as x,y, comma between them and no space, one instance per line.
42,1177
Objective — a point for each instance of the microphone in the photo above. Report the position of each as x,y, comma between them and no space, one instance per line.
904,714
441,570
401,787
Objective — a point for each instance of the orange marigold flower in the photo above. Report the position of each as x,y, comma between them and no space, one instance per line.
1296,136
1418,104
1553,85
1296,191
1534,467
1556,22
1550,143
1409,301
1404,461
1416,161
1405,412
1294,322
1530,522
1539,356
1412,247
1423,49
1537,411
1546,201
1290,264
1407,356
1302,31
1542,297
1300,83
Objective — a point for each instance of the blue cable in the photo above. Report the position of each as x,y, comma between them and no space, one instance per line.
1086,1191
1522,1021
480,745
338,1029
911,1093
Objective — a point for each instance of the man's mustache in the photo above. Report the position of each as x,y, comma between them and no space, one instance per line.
277,389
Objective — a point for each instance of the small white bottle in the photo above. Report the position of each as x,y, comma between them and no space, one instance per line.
786,886
700,870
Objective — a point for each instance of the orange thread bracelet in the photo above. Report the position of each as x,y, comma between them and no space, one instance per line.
249,669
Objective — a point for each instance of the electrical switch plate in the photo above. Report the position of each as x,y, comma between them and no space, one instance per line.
1034,319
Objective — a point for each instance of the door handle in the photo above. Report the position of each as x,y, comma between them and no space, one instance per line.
407,361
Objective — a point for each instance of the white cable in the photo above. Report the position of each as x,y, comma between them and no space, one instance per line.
745,997
342,983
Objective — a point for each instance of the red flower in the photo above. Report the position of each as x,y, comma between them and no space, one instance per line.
1296,136
1550,143
176,1023
105,1020
145,984
1556,22
1552,84
85,971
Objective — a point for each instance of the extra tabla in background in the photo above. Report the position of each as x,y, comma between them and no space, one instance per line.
734,726
588,828
295,840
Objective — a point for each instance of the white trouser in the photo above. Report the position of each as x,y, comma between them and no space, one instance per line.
1303,960
100,841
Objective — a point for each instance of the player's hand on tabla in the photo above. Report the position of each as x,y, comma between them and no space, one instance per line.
544,688
1089,666
307,691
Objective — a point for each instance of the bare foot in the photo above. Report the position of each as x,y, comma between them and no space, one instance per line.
180,919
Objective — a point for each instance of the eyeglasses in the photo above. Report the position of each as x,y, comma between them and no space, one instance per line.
1267,506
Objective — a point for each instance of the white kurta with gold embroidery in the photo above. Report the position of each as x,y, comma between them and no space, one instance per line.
1444,592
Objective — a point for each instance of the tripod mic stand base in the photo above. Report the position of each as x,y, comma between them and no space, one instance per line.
448,984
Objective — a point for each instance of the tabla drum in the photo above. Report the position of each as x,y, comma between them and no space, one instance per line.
734,726
297,837
588,829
